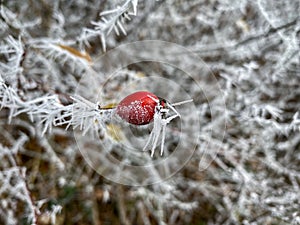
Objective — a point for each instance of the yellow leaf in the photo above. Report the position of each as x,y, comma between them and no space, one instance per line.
115,132
109,106
75,52
140,74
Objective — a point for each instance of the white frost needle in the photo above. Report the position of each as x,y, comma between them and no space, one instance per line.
182,102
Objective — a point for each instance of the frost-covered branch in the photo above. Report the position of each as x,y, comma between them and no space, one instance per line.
12,50
111,20
48,111
13,184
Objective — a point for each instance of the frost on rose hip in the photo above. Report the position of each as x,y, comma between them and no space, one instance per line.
143,107
138,108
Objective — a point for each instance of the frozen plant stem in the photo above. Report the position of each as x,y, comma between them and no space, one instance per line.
160,125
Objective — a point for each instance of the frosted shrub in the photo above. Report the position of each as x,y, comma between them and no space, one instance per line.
231,157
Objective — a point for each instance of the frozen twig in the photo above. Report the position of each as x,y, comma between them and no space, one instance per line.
111,20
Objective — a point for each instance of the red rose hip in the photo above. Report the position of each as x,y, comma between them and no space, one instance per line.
138,108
